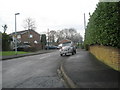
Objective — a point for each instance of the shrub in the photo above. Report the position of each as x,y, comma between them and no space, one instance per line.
6,39
104,25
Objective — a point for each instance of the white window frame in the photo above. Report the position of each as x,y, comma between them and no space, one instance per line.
18,36
36,42
30,36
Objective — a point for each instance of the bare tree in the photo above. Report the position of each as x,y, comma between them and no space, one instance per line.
70,34
4,28
29,24
59,35
77,38
52,36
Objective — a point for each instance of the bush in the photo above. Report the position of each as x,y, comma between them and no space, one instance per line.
6,39
31,49
86,46
103,27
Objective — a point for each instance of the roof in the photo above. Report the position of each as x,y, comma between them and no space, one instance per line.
65,40
23,32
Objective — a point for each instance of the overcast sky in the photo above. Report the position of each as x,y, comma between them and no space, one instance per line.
52,14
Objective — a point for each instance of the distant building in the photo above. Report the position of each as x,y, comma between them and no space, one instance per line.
27,37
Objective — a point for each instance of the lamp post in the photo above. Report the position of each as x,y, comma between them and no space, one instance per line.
16,33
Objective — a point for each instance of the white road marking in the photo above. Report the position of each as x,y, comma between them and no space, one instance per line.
45,56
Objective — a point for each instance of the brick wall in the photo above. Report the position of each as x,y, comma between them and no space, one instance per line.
108,55
36,37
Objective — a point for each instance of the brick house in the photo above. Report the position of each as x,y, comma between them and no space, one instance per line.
27,37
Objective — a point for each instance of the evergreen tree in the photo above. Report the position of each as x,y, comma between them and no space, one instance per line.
6,39
43,41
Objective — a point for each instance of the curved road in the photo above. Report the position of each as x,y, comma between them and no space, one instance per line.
38,71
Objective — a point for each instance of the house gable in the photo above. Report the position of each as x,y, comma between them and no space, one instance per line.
28,36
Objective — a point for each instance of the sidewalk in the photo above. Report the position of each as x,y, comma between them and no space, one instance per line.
84,71
28,54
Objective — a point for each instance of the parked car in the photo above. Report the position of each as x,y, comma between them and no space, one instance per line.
22,47
50,47
67,48
59,46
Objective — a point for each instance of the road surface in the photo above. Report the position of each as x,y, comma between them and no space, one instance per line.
38,71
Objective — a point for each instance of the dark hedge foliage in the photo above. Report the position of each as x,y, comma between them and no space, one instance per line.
6,39
43,41
104,25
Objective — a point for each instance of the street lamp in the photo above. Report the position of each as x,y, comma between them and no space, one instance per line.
16,33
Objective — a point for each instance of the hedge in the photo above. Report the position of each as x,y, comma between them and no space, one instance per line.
6,39
103,27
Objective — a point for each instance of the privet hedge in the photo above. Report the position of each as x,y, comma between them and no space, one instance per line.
104,25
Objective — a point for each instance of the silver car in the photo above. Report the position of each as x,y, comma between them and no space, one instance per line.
67,48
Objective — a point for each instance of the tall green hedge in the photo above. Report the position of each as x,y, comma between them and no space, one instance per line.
103,27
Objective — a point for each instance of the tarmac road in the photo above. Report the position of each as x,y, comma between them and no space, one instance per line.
38,71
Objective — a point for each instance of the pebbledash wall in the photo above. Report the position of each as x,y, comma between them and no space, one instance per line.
108,55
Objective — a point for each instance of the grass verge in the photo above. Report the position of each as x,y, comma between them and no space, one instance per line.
10,53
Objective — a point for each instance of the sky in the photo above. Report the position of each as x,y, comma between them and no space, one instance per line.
48,14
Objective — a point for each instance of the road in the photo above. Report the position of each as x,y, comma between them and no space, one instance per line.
38,71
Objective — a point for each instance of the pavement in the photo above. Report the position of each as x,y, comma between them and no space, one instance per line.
83,70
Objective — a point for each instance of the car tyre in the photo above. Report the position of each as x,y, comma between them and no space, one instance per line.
61,54
75,52
72,53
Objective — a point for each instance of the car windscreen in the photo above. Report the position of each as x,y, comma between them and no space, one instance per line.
66,44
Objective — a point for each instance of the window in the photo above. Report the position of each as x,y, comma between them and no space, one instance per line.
35,42
18,36
31,36
25,42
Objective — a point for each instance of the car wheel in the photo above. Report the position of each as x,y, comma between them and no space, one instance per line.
75,52
61,54
72,53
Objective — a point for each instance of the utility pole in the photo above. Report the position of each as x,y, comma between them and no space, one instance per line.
48,39
84,22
